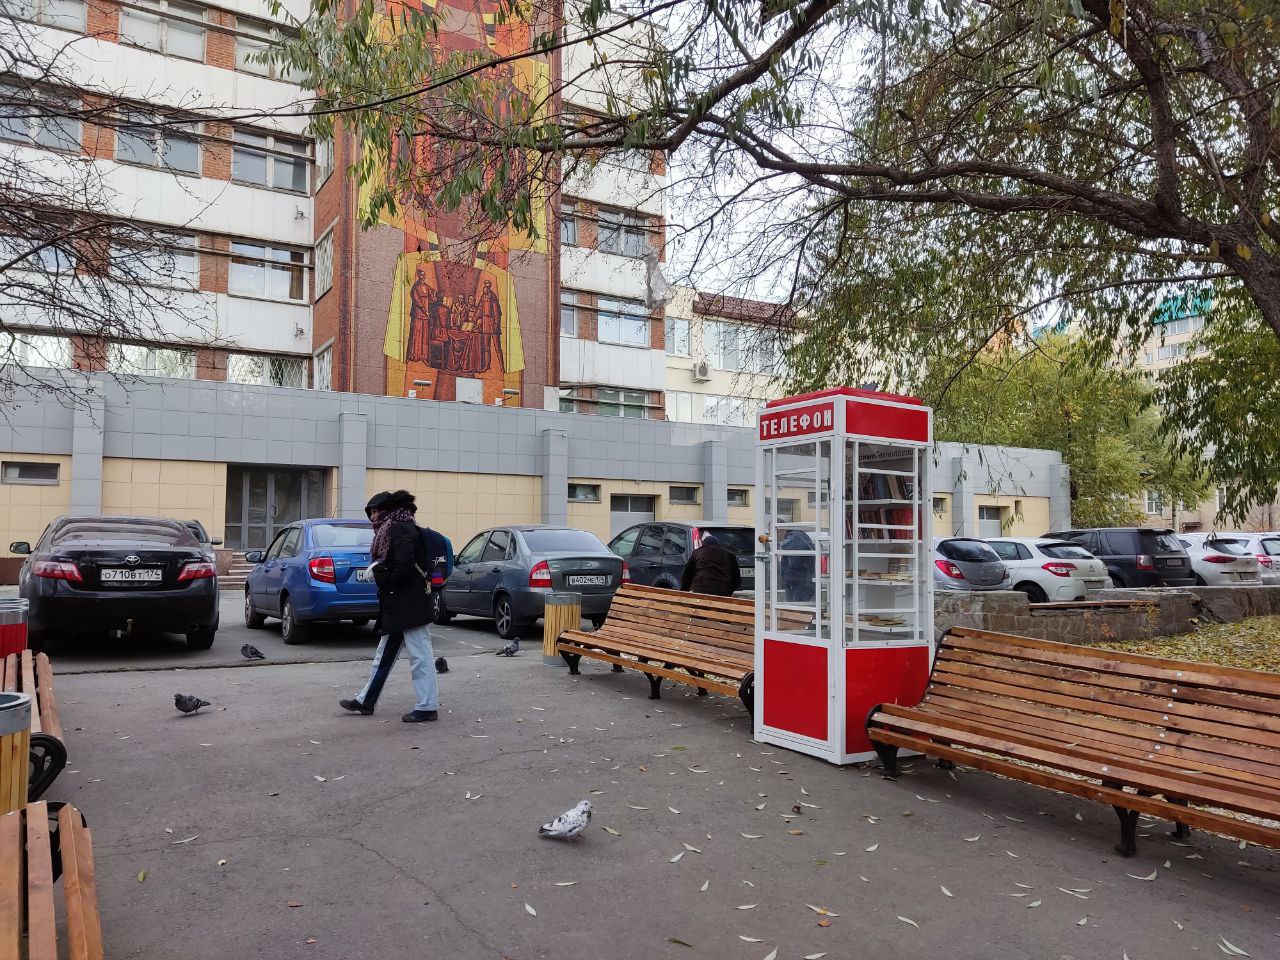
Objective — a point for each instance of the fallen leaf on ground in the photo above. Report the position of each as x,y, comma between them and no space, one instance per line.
821,911
910,921
1034,903
750,939
1227,947
973,839
814,956
294,903
691,849
142,876
824,922
1082,921
678,941
222,862
673,809
530,911
566,883
311,940
946,892
188,840
319,778
1150,876
706,884
747,906
873,848
676,857
633,807
612,832
772,955
750,836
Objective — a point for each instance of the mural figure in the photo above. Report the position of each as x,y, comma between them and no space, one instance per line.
420,297
490,323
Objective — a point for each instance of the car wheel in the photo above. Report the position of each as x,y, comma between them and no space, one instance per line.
1035,593
439,612
504,618
201,639
1200,582
252,618
1117,582
291,631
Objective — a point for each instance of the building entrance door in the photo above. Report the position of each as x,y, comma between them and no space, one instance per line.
626,510
262,500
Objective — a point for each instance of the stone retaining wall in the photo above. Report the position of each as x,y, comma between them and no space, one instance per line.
1167,611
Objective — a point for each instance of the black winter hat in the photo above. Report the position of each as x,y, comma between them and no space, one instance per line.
388,500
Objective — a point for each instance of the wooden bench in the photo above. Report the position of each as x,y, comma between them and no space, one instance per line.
31,674
1193,743
36,847
691,638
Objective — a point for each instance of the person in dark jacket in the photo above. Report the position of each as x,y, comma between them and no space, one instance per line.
402,570
711,569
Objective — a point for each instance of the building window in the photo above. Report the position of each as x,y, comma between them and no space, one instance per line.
152,141
253,39
322,370
624,322
677,336
568,313
140,361
1171,351
265,160
35,350
584,493
27,471
623,233
739,497
324,160
166,26
679,406
275,273
172,262
267,371
737,346
1154,502
730,411
64,14
48,259
788,510
324,264
939,506
614,402
569,223
569,401
685,496
28,117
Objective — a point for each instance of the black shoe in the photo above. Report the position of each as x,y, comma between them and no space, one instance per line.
419,716
355,706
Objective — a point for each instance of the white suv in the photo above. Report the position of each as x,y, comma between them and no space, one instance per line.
1221,560
1048,570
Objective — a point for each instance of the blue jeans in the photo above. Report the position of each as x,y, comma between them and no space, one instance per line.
421,663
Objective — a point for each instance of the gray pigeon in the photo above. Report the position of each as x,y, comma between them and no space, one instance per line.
187,703
250,652
442,665
570,824
511,649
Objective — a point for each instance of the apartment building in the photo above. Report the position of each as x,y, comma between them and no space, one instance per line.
1178,320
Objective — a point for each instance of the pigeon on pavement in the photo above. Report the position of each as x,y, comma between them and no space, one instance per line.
250,652
187,703
442,665
511,649
569,824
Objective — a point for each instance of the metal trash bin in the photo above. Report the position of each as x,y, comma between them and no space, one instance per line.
15,749
13,626
560,612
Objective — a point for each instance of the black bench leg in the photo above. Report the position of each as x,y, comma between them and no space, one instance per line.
702,691
46,758
572,660
747,693
944,764
655,682
617,668
888,755
1180,830
1128,845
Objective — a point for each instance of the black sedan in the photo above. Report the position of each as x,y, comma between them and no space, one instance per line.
120,575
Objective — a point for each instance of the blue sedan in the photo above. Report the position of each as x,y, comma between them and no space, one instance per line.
314,570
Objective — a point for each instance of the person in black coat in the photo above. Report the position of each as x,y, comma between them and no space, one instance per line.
711,569
402,570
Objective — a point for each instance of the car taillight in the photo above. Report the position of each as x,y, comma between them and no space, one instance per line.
540,575
57,570
697,538
1144,562
949,568
1265,560
1059,568
197,570
1217,558
824,564
321,569
626,572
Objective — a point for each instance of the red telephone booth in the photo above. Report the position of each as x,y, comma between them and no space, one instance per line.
844,586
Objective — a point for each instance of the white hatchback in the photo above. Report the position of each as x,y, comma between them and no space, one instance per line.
1220,559
1266,547
1050,569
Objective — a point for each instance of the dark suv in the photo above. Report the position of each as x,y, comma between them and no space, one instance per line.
657,552
1136,556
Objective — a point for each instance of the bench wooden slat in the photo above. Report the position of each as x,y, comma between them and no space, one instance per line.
700,601
29,688
705,683
676,618
641,647
10,885
48,704
84,931
42,930
684,632
11,673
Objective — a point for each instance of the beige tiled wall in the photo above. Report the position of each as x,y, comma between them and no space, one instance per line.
181,489
595,516
26,509
461,504
1032,521
942,520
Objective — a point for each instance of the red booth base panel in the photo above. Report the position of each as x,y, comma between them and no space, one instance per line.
795,693
876,675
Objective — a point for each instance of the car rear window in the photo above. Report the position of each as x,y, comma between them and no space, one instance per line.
1237,548
1161,543
1064,551
340,535
967,551
541,541
736,539
162,534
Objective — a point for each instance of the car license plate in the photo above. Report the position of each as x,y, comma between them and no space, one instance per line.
747,572
588,580
364,575
1094,584
1173,562
131,575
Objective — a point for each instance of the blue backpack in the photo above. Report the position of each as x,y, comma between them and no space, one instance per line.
439,550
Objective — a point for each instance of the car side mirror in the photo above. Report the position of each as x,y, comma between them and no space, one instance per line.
254,556
216,541
20,546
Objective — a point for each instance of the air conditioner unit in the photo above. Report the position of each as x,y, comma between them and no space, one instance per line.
701,371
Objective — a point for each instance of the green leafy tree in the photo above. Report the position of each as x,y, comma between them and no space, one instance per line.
1099,417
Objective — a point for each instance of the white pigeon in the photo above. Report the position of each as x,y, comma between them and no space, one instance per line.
569,824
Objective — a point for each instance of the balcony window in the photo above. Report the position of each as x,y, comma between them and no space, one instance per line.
738,347
324,265
264,160
51,258
730,411
154,142
322,370
28,117
568,313
63,14
324,160
172,261
165,26
266,371
624,322
678,344
35,350
274,273
136,360
569,223
253,39
679,406
625,234
613,402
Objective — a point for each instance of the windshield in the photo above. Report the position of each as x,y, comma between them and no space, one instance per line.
735,539
556,541
970,551
1162,543
335,535
1064,551
100,531
1237,548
